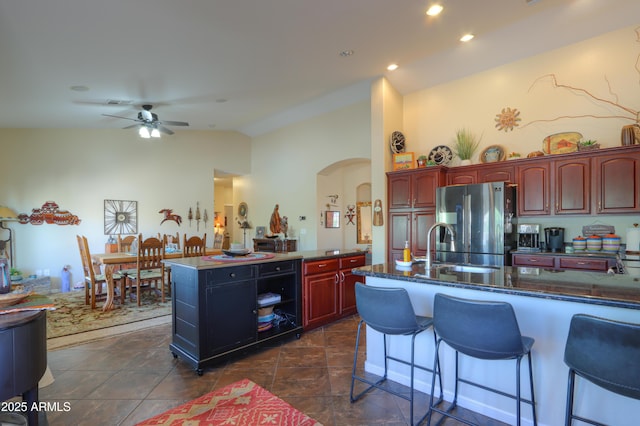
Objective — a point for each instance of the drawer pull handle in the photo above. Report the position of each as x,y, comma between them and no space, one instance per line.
232,275
533,260
322,265
277,268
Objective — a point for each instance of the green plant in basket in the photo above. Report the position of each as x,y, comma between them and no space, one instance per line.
465,144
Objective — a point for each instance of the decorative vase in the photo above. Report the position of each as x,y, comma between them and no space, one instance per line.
630,134
466,162
422,163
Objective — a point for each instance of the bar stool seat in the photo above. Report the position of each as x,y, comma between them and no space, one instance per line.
484,330
605,353
389,311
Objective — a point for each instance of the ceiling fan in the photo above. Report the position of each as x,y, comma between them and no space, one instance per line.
148,123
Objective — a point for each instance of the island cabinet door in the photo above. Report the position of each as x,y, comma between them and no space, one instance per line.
229,318
321,292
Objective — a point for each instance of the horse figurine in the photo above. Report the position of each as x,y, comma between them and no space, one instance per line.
168,215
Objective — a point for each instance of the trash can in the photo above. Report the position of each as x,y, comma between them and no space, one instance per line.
65,278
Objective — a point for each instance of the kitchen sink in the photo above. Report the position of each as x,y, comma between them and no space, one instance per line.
467,268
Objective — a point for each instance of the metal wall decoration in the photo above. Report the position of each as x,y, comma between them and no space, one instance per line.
169,215
120,217
507,119
351,214
49,213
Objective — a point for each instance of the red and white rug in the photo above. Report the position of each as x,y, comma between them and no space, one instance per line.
242,403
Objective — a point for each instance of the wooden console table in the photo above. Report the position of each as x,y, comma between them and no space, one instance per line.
275,245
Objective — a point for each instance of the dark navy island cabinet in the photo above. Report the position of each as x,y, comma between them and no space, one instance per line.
215,310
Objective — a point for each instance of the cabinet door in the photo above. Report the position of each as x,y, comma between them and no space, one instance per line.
617,183
348,283
399,232
421,221
497,173
399,191
572,186
533,189
230,316
321,298
424,187
462,177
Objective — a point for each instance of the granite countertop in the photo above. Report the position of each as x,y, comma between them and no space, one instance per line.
618,290
209,262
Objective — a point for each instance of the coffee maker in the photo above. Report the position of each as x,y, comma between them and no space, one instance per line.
554,238
528,237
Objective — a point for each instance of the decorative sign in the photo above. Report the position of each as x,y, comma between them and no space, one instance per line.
403,161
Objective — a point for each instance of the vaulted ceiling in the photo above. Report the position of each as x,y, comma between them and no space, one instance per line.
252,65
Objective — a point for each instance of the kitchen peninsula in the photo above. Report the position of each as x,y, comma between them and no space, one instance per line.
544,301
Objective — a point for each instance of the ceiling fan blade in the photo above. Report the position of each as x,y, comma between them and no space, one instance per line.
132,126
117,116
165,130
174,123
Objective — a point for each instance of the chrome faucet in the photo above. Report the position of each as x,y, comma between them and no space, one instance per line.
429,232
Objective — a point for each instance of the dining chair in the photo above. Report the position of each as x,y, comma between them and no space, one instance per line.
149,268
194,246
124,244
92,278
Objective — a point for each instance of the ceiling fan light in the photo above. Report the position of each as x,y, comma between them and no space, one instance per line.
144,132
155,133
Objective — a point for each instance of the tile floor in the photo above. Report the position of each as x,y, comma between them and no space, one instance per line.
125,379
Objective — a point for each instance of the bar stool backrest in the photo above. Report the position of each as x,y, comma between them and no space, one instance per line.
481,329
606,353
386,310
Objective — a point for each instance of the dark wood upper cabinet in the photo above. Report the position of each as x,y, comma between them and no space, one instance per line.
572,184
617,183
534,188
497,172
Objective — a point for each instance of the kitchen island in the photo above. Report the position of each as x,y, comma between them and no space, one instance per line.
217,304
544,302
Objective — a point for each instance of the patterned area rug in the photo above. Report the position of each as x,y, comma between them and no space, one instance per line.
72,316
243,403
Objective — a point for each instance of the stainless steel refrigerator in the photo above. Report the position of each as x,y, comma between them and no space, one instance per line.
481,216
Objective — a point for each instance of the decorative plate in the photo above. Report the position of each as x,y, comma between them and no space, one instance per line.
242,210
561,143
441,155
492,154
15,297
397,142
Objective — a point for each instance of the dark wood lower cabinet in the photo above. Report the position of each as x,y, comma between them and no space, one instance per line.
578,263
329,289
215,310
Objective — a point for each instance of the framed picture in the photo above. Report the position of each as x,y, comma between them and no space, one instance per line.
332,219
120,217
403,161
260,230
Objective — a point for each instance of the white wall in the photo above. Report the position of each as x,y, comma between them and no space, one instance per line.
285,164
79,169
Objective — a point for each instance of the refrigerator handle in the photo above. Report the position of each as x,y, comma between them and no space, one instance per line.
466,231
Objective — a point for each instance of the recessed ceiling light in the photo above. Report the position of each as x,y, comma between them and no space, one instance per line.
79,88
466,37
434,10
392,67
346,53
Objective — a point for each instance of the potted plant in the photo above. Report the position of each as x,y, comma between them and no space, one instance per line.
422,161
465,145
588,145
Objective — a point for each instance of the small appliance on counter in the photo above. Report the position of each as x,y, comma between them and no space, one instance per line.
554,238
528,237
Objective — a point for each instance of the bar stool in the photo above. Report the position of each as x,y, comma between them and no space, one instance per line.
483,330
389,311
604,352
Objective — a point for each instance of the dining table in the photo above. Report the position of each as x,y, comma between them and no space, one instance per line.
120,261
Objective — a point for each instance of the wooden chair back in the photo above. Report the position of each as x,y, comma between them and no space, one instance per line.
88,267
149,265
194,246
124,244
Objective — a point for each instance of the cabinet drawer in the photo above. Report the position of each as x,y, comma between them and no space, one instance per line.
225,275
320,266
351,262
272,268
586,264
533,260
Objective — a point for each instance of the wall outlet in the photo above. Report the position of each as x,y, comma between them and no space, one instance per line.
303,231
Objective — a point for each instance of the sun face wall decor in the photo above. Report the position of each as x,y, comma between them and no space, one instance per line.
120,217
